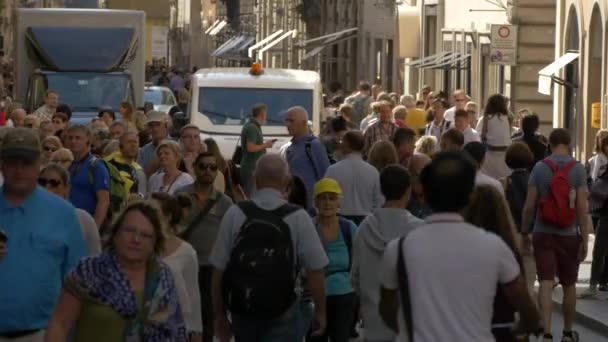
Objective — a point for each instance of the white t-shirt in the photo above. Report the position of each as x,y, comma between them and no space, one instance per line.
183,264
499,130
449,114
471,135
156,183
483,179
453,270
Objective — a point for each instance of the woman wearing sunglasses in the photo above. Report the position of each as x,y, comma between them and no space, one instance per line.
56,179
50,144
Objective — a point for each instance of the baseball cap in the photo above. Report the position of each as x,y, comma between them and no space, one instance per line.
326,185
20,143
156,116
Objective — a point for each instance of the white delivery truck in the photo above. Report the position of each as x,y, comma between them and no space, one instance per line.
222,100
94,58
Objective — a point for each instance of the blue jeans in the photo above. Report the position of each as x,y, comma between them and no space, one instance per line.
283,328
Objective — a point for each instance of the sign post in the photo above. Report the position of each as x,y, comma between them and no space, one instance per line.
503,45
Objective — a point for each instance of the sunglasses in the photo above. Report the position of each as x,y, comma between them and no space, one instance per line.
46,182
204,167
49,149
60,161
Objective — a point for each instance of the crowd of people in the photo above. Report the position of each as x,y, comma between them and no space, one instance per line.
406,218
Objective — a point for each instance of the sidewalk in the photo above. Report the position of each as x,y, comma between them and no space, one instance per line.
591,313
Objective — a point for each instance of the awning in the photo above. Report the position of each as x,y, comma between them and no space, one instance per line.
328,39
447,58
428,59
452,63
233,46
547,75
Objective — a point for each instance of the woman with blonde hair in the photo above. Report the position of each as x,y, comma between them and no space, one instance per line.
486,199
426,145
169,154
382,154
141,304
63,157
49,145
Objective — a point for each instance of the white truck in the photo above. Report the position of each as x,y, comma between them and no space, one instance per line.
94,58
222,100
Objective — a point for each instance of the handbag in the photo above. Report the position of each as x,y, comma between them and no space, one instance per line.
199,217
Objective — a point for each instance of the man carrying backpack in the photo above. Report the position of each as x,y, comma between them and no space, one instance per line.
561,227
260,248
90,180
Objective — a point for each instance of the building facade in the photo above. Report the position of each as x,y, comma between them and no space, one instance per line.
454,51
359,44
251,21
581,33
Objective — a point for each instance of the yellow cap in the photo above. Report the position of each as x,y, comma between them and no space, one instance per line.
326,185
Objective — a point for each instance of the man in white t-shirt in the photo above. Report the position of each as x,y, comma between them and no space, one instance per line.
462,122
477,151
460,99
453,268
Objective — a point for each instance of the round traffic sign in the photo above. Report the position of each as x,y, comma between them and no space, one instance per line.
504,32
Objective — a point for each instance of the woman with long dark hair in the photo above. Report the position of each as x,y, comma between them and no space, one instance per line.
486,199
495,130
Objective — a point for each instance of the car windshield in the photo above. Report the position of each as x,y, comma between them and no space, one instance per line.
232,106
160,97
90,91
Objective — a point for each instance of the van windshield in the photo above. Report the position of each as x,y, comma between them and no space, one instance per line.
232,106
90,91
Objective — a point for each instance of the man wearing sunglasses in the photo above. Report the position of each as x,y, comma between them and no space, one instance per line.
203,224
43,241
460,99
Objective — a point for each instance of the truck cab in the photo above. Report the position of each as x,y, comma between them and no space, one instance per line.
222,100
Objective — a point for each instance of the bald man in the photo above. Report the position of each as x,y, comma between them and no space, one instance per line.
18,117
271,175
305,154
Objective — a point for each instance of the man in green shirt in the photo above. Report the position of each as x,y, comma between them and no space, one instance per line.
253,146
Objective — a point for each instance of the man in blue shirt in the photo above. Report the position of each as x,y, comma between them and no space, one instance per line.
157,125
90,179
305,154
44,241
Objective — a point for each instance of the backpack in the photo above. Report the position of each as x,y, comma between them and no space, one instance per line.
119,195
555,208
259,280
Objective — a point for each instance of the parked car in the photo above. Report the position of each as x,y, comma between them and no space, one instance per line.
161,97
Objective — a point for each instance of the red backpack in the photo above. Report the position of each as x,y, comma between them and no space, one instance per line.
555,208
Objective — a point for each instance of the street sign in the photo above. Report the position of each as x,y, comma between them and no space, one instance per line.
503,45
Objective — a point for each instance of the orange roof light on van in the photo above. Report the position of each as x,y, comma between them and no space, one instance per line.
256,69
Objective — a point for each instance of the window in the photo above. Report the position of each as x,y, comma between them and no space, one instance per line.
90,91
232,106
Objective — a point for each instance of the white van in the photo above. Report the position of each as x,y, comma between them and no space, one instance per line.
222,100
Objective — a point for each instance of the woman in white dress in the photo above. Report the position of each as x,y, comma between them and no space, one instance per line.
169,155
181,258
495,130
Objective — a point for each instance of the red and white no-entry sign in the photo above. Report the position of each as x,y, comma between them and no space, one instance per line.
503,45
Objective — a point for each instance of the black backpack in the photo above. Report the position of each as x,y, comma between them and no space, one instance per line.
259,280
516,191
